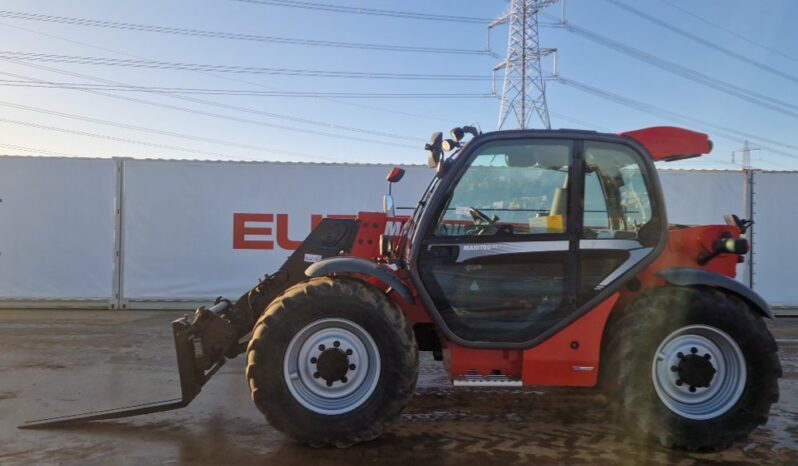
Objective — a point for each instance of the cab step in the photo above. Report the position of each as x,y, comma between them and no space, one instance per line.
472,378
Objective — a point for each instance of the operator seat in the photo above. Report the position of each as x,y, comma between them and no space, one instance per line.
559,202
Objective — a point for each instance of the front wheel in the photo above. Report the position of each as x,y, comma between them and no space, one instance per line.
331,361
693,367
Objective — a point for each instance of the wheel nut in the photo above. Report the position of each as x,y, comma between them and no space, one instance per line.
343,379
692,389
329,383
322,348
352,367
316,375
694,350
707,356
679,382
313,360
674,369
337,344
680,355
349,352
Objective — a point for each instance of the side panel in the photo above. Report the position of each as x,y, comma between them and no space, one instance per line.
684,247
571,357
57,220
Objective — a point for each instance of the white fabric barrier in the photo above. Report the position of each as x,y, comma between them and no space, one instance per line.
180,242
702,197
57,220
178,219
775,247
179,232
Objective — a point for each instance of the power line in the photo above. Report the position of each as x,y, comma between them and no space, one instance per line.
660,112
729,31
115,124
200,112
593,126
369,11
236,79
741,93
116,139
34,150
164,65
702,41
236,92
307,121
20,15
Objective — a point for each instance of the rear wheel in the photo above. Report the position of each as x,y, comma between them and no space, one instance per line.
693,367
331,361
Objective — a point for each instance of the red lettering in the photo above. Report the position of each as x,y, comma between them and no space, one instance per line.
315,219
282,234
282,231
241,230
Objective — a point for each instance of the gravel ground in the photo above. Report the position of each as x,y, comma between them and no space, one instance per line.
65,362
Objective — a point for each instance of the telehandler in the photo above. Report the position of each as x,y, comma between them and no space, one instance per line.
533,258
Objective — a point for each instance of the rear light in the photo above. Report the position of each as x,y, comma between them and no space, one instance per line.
737,246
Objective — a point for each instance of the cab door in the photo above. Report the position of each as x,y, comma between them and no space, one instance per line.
505,258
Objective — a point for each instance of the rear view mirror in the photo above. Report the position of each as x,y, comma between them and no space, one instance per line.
434,149
395,175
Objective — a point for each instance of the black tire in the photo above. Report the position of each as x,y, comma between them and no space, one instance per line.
312,301
635,335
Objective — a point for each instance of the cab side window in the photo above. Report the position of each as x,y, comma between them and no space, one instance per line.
617,204
510,188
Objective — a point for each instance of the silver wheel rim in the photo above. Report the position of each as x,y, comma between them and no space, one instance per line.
678,353
338,339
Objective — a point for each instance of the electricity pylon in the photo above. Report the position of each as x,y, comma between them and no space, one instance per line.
524,91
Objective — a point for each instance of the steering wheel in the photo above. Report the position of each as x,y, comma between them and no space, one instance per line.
481,218
483,225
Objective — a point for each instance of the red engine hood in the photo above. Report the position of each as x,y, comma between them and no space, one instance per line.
667,143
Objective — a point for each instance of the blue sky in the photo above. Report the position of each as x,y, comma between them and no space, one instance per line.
406,122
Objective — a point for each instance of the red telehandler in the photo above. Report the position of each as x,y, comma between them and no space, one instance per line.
533,258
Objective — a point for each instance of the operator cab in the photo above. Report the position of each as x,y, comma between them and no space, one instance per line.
525,231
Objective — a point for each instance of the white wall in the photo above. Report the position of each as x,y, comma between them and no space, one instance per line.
702,197
178,218
775,237
57,220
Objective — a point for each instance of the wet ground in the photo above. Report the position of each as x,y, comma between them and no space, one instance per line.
64,362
